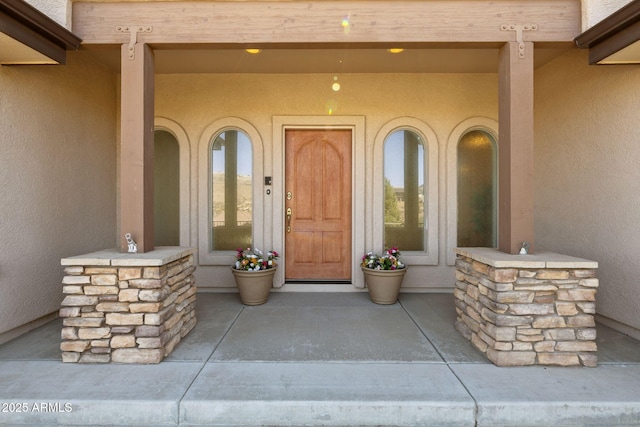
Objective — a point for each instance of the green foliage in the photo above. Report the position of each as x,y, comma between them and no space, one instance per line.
391,210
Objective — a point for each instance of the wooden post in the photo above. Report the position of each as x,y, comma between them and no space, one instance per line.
136,150
515,148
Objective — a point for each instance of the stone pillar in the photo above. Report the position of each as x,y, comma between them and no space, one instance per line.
126,308
527,310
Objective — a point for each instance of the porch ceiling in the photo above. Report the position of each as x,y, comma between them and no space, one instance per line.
275,60
14,52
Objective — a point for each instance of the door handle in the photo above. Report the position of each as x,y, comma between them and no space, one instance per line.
289,220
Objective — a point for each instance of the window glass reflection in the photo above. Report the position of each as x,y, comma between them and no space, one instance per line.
404,191
231,191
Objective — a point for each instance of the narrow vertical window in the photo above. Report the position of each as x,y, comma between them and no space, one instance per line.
166,189
404,191
231,191
477,190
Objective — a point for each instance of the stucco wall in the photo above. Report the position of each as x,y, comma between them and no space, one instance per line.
58,171
441,101
587,173
594,11
58,10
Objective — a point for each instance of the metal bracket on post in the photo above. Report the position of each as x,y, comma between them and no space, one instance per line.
133,38
519,28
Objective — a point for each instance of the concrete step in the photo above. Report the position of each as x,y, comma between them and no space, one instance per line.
327,394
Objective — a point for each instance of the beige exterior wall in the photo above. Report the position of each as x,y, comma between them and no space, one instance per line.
58,174
440,101
587,173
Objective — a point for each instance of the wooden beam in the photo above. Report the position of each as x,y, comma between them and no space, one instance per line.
515,148
333,21
136,150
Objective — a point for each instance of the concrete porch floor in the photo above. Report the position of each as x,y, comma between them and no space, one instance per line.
318,359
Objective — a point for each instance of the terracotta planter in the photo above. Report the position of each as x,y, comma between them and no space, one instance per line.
384,285
254,286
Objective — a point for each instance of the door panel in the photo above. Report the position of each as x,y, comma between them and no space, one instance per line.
318,176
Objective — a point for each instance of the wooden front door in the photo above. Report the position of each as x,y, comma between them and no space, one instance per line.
318,204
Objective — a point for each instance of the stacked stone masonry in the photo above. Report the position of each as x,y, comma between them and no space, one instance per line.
527,315
126,314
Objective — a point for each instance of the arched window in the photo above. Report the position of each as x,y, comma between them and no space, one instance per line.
231,190
166,189
477,190
404,191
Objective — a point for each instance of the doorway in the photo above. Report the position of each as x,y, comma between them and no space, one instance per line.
318,199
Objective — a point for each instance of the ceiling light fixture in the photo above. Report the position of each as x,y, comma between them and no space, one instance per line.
253,51
396,50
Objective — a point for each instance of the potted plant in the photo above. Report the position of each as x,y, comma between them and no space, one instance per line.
253,273
383,275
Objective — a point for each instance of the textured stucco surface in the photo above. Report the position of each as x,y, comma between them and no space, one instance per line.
587,173
57,169
441,101
594,11
58,10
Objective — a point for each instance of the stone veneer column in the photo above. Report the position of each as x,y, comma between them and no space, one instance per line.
527,309
127,308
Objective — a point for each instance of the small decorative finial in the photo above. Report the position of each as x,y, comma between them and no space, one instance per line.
133,246
524,250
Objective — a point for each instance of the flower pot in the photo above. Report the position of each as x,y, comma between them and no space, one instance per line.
254,286
384,285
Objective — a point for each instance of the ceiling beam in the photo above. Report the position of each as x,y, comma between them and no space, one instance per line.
326,22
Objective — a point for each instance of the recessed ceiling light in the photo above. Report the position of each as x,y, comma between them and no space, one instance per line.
396,50
253,51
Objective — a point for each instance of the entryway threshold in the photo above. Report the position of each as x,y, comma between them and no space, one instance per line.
318,287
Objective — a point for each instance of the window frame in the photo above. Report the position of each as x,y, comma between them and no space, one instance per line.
212,195
430,255
493,167
167,125
206,256
484,124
